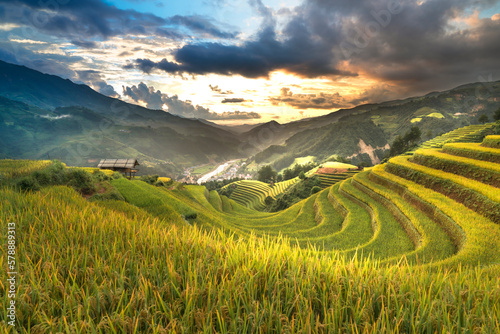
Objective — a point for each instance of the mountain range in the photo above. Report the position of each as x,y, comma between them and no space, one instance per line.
44,116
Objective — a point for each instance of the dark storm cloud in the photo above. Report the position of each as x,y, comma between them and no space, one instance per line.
302,48
96,19
375,94
418,45
424,47
306,101
155,99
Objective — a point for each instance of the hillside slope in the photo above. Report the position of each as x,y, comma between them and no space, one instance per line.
375,126
80,136
42,115
416,239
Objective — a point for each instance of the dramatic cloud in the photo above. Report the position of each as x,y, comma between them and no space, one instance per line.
87,19
404,42
366,50
233,100
306,101
95,80
427,45
378,93
302,48
85,44
155,99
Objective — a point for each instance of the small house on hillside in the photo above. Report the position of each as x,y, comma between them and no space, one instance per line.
124,166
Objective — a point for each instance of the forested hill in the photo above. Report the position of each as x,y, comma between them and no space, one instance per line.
370,128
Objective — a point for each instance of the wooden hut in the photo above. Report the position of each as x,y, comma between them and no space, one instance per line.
124,166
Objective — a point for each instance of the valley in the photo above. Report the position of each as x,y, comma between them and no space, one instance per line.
91,126
425,224
342,235
254,167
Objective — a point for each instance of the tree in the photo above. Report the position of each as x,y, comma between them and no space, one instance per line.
496,116
315,189
266,174
302,175
287,174
397,147
269,200
279,178
402,144
413,136
483,119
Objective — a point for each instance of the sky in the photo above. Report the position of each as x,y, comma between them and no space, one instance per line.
235,62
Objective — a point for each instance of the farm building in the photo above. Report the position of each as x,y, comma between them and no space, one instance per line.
124,166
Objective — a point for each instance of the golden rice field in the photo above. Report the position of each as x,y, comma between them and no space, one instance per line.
412,246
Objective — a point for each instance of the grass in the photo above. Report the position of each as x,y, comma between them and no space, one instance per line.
151,199
93,170
376,253
124,275
435,115
471,133
431,240
477,196
481,171
480,242
492,141
389,239
15,168
473,151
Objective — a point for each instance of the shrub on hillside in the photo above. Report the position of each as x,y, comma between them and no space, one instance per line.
403,143
101,177
151,179
52,175
269,200
190,215
28,183
294,194
496,115
315,189
293,172
81,181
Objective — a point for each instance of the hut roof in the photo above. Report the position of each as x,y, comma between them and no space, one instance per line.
118,163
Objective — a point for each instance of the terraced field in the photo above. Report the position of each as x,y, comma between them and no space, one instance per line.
251,193
412,246
467,134
330,172
440,206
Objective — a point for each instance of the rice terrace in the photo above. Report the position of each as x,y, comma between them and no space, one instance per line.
414,240
260,166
